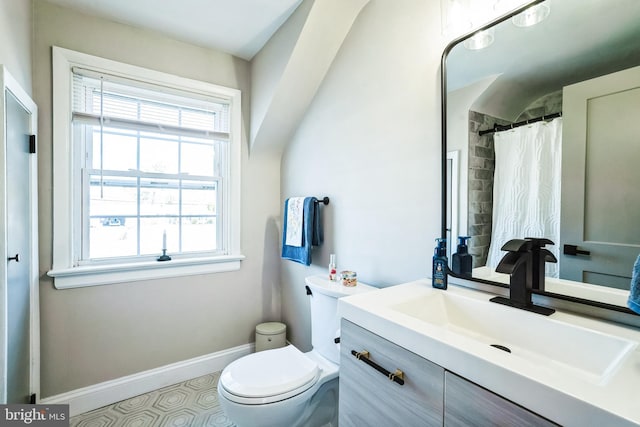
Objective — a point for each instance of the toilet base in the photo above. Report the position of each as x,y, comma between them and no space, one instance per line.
315,407
325,402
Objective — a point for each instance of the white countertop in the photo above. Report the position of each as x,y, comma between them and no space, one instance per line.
546,390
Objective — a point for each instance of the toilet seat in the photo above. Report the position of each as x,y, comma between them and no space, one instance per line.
269,376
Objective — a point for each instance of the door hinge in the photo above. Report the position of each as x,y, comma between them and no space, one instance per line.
32,144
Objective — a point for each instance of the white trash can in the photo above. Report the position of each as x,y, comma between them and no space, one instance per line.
270,335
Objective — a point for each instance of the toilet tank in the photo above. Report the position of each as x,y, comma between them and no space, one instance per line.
325,323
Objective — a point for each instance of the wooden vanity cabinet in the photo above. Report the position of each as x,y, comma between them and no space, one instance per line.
369,398
430,395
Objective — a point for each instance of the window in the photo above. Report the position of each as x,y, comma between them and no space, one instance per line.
143,161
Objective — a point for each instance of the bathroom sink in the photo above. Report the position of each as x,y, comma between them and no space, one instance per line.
536,341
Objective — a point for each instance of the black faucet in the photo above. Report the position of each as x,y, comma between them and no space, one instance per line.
522,264
539,256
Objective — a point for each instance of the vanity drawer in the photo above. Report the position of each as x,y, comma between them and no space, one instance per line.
369,398
468,404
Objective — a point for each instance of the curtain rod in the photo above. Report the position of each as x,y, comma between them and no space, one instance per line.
498,128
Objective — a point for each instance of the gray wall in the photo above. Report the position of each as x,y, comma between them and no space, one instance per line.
15,40
371,142
94,334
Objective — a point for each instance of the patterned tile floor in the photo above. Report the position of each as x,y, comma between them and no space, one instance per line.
193,403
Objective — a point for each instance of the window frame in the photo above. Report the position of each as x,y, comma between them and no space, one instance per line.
66,200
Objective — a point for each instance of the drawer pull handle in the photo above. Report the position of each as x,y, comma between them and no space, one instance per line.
397,376
361,354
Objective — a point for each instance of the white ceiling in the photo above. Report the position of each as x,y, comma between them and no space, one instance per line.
239,27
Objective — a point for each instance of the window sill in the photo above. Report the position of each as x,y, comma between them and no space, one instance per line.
84,276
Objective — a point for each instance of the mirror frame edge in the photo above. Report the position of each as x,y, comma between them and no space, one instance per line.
577,305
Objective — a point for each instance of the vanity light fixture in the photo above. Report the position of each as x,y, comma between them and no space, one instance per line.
456,17
480,40
532,16
461,16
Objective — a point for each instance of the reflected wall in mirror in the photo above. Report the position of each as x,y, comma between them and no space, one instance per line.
571,174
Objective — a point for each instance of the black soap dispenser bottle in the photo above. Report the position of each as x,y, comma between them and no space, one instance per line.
462,261
439,274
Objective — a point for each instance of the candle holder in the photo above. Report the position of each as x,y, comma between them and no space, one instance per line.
164,256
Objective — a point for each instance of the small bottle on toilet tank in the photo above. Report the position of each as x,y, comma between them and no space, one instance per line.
332,267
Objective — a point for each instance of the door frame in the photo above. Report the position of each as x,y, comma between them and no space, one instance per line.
453,189
7,82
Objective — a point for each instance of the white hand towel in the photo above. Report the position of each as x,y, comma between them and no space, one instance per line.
295,219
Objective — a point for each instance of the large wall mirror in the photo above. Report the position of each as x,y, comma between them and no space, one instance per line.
541,134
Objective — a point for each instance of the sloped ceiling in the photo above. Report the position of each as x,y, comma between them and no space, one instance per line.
303,68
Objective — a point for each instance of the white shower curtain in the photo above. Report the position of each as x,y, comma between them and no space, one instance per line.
526,189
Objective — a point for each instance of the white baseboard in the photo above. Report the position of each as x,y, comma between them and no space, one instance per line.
96,396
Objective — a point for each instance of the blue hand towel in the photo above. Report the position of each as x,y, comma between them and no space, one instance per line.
634,295
312,234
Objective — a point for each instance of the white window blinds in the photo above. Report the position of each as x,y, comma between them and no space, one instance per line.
108,100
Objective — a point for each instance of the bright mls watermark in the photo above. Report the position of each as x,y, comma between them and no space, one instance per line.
34,415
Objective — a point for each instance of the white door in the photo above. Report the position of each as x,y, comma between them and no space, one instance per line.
19,251
19,347
600,179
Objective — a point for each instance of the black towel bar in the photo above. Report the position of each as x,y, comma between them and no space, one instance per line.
324,200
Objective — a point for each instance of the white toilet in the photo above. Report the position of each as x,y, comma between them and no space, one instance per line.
284,386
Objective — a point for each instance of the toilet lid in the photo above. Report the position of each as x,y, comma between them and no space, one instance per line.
270,373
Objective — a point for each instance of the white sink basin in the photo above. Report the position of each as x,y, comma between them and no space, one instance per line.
537,340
